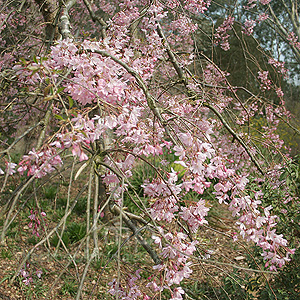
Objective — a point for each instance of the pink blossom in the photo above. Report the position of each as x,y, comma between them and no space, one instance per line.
10,168
221,35
262,17
265,82
249,26
293,40
39,273
279,92
264,2
179,151
27,280
77,151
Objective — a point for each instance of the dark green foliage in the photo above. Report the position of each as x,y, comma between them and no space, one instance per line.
7,254
286,284
32,240
69,287
54,240
99,264
73,234
80,207
110,250
233,287
50,192
76,232
200,290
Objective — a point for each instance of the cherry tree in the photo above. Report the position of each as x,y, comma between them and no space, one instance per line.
122,85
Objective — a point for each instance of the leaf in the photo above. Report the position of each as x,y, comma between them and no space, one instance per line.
23,61
239,258
33,68
71,102
61,89
58,117
80,170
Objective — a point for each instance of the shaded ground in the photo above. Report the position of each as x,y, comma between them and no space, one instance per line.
62,270
61,282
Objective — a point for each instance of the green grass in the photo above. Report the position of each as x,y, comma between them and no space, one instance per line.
6,254
69,287
50,192
73,233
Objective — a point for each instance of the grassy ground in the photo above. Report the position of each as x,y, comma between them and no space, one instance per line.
63,266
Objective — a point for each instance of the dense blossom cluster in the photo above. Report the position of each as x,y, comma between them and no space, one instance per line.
221,35
176,253
265,81
279,66
293,39
40,163
249,27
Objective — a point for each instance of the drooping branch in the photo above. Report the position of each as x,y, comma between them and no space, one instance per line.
171,55
49,9
194,96
235,136
117,211
157,111
284,33
65,25
97,19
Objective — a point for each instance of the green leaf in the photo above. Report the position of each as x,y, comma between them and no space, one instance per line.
33,68
71,102
23,61
58,117
61,89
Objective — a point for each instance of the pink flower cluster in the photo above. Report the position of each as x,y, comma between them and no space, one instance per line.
195,215
265,2
184,25
40,163
176,267
165,195
248,27
83,133
279,66
221,36
197,6
262,17
256,224
265,81
28,274
35,221
132,291
10,168
216,77
252,3
293,40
